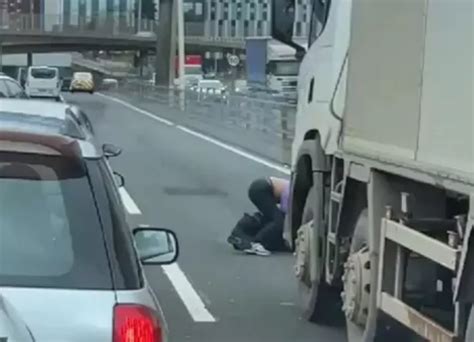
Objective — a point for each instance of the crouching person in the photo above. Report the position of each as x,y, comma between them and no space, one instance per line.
262,232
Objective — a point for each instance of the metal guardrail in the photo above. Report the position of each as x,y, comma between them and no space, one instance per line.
100,25
264,126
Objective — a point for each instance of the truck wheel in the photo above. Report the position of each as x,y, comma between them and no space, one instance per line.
319,302
357,293
356,280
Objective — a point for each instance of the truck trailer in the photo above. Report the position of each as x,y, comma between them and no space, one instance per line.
381,216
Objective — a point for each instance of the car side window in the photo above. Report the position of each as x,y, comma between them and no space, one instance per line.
4,89
15,90
319,17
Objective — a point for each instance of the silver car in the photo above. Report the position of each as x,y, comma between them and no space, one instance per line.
70,267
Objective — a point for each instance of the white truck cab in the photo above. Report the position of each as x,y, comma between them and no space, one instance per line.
322,76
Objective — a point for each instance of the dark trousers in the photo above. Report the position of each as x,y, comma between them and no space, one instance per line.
271,233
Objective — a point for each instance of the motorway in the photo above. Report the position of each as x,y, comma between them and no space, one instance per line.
180,180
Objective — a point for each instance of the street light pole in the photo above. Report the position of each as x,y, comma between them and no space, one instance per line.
140,10
180,17
181,71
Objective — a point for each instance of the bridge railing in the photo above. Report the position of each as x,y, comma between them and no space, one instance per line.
264,126
102,25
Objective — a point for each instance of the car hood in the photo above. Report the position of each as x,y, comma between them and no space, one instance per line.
49,315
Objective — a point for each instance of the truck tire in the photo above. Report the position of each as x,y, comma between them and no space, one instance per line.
319,302
357,331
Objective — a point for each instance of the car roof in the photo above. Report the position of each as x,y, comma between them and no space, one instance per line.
6,77
50,120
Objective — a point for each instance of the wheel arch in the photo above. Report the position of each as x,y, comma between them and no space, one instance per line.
310,159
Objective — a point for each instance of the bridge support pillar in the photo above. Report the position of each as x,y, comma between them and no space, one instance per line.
142,58
29,59
166,45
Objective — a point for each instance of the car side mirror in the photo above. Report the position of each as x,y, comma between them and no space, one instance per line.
156,246
111,151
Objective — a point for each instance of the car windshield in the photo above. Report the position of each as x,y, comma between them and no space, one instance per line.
49,227
44,73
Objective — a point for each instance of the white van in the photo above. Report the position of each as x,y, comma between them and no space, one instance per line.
43,81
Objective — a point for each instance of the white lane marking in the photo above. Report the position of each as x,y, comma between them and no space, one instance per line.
128,202
141,111
278,167
191,300
235,150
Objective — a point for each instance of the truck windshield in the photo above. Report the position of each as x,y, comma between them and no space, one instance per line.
287,68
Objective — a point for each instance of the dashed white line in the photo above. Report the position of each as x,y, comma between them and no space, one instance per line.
191,300
188,295
221,144
128,202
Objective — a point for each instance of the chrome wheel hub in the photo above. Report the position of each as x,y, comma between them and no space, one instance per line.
356,294
302,252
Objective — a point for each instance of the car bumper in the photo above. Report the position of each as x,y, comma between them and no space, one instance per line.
43,93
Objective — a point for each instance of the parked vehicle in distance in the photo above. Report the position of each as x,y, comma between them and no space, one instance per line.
109,83
78,254
10,88
82,82
43,81
210,88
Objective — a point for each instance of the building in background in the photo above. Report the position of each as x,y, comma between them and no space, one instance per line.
244,18
24,6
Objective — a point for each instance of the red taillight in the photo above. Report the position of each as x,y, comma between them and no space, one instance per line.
136,323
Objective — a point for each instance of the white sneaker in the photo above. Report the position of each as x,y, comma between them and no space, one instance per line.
258,249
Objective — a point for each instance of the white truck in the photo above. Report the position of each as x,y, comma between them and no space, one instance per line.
271,66
382,187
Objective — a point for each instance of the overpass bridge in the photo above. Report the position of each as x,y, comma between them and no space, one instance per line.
35,33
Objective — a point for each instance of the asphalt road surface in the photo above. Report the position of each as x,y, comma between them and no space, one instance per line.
182,181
